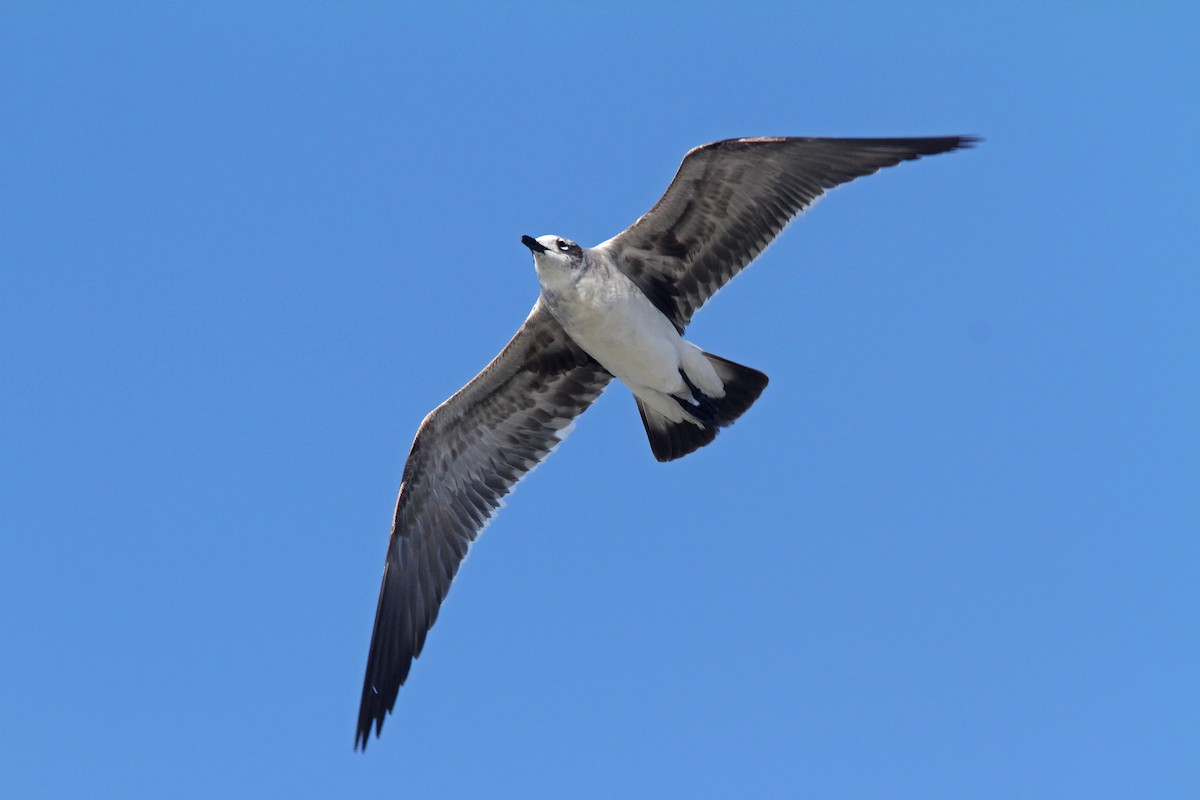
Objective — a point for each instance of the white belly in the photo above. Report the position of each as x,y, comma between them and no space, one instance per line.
614,322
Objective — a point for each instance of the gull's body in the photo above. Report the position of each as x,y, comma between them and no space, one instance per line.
615,310
607,315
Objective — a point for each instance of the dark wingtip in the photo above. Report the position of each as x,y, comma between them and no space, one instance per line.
931,146
367,718
375,707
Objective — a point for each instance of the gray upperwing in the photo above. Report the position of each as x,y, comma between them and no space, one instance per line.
467,455
729,199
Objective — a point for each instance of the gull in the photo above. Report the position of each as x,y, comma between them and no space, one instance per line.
618,309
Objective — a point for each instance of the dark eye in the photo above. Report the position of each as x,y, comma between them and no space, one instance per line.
562,245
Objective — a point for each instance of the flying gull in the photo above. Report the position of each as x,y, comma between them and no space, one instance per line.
618,309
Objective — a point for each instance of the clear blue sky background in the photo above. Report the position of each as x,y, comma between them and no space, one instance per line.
954,550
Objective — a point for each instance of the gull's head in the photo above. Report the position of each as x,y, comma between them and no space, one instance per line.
556,258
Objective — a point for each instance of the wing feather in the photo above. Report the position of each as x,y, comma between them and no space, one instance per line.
729,199
468,454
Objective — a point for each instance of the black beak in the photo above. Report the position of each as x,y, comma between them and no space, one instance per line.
533,244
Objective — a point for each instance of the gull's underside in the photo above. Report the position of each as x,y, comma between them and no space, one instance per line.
728,200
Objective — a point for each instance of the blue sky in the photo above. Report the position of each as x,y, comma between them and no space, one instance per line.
952,551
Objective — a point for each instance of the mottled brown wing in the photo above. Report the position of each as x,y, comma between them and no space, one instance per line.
731,198
468,454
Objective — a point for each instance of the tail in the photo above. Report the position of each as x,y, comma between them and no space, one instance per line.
671,440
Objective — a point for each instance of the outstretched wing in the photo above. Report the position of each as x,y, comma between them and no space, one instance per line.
467,455
731,198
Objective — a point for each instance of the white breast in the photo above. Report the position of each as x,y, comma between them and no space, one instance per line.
610,318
